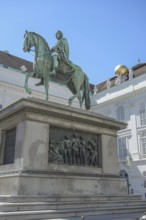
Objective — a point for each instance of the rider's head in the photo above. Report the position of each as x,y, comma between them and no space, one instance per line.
59,34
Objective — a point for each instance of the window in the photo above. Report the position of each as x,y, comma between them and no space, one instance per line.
144,176
122,149
143,143
9,147
120,114
142,115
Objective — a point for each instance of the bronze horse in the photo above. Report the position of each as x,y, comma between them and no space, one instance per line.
77,81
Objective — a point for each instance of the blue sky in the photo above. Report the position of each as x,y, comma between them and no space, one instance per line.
101,33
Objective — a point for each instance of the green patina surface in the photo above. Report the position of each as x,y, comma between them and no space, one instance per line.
54,65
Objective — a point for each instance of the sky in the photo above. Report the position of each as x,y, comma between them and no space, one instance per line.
101,33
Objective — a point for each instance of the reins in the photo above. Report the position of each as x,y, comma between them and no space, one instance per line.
40,52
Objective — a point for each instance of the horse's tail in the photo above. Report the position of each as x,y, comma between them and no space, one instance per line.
86,93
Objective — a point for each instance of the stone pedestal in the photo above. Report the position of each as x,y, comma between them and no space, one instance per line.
31,172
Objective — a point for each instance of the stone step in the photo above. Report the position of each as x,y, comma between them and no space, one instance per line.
31,206
52,214
67,198
127,216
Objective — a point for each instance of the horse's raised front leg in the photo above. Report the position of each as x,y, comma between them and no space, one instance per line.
26,82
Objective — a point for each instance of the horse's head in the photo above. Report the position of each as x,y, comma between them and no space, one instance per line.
28,41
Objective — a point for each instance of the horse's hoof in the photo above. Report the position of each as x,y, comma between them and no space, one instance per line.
69,103
29,91
39,83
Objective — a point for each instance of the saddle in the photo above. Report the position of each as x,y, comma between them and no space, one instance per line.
64,73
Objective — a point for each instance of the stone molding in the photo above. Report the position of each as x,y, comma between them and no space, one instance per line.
25,107
55,173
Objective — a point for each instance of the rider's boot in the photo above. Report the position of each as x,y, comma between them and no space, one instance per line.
55,65
53,72
40,83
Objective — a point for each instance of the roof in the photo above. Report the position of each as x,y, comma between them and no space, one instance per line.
9,60
138,66
138,70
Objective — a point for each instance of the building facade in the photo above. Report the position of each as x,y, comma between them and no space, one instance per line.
126,102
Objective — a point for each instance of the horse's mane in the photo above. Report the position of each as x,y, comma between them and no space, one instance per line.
37,35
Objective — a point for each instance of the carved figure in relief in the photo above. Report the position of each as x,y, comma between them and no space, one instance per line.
75,148
66,147
93,154
54,152
82,153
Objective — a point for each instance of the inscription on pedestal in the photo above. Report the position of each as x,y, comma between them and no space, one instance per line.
74,147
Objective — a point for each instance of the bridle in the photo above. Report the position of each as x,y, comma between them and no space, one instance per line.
37,44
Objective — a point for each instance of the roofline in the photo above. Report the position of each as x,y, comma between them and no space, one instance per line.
138,66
